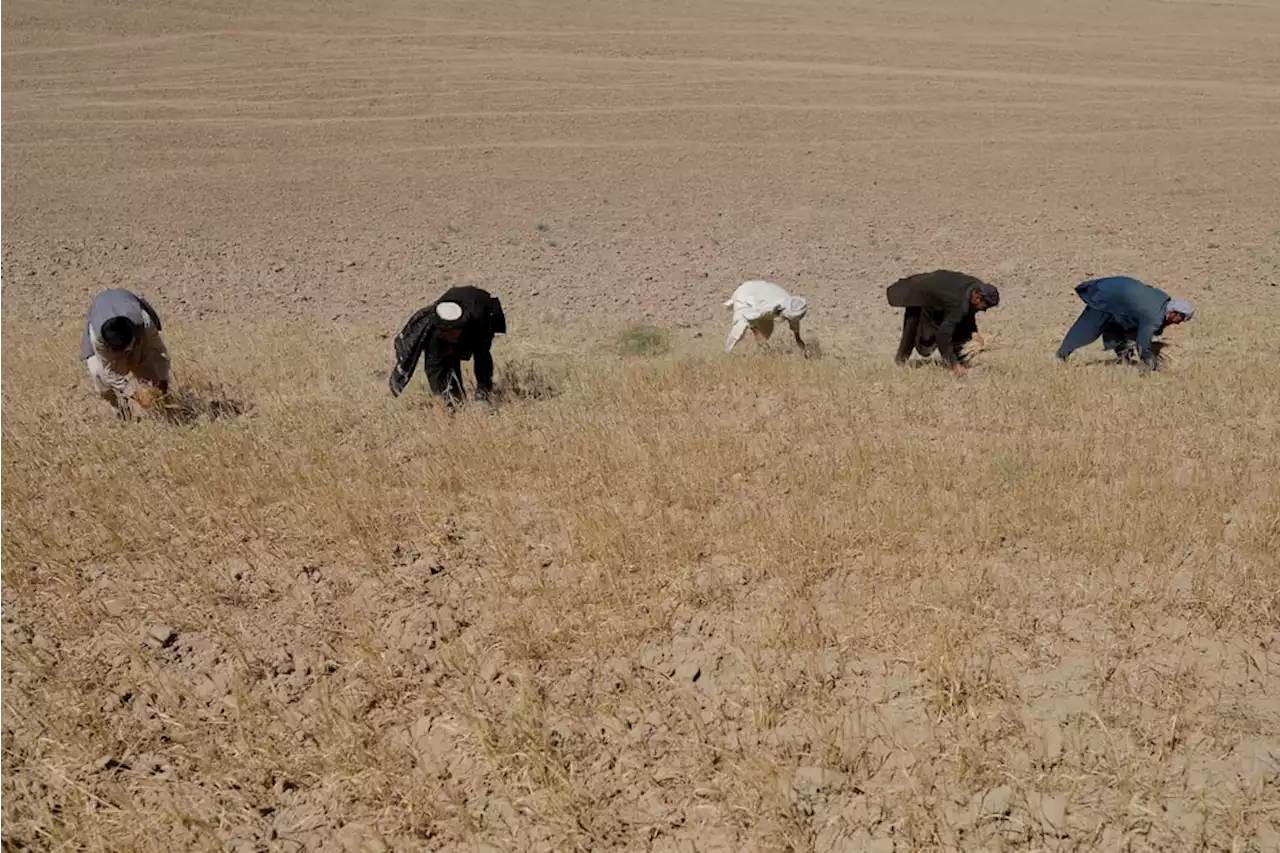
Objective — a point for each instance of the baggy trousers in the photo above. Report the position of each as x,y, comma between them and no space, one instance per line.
1093,324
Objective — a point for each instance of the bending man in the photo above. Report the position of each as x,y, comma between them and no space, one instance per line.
124,351
1126,314
941,313
755,304
456,327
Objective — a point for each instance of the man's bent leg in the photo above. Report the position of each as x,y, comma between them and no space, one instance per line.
445,379
1086,329
927,336
736,331
910,332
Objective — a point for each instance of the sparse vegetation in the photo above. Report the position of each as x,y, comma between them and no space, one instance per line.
643,340
526,379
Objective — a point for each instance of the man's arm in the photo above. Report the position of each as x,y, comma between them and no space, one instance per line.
117,382
795,330
113,385
484,367
150,316
1146,329
947,334
497,318
153,362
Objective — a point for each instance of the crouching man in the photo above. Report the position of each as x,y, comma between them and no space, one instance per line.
941,314
755,304
123,350
457,327
1126,314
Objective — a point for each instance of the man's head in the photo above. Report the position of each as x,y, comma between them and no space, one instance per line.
448,320
984,296
794,308
1178,311
118,333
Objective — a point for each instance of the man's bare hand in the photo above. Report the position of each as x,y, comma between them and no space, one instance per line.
959,369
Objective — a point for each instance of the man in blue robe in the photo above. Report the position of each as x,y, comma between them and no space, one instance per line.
1126,314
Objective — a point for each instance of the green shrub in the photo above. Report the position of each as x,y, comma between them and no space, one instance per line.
643,340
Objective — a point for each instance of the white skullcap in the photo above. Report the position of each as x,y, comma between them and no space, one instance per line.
449,311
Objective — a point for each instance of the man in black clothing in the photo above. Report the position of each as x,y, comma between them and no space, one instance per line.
456,327
942,314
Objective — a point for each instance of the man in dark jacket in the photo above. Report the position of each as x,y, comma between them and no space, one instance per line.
456,327
942,314
1126,314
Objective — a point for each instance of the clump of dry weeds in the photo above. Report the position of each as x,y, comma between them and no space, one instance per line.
197,400
526,379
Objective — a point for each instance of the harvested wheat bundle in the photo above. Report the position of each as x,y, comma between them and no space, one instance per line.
976,344
147,396
527,380
173,408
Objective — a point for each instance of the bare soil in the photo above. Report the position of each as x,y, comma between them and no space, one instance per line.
677,601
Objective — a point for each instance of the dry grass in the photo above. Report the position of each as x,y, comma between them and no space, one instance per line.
1035,608
197,401
678,602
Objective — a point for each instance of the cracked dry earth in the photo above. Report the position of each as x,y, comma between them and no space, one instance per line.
396,722
682,604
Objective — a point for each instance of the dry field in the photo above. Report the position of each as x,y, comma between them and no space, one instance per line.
674,602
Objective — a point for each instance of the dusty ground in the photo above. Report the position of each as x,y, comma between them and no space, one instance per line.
688,602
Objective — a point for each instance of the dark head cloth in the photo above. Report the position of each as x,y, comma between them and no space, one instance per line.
118,332
110,304
990,294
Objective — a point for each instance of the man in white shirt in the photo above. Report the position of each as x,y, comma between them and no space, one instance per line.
755,304
123,350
